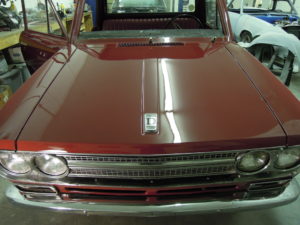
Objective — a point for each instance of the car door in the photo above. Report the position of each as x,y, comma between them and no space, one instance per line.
44,33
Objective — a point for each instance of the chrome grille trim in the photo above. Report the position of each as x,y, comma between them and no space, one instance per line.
152,173
146,160
152,166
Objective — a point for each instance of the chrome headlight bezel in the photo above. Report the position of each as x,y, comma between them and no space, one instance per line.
47,164
266,161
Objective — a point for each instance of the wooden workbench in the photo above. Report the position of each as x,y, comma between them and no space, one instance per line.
11,38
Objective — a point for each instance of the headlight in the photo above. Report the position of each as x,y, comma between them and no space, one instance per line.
51,165
15,163
253,161
287,159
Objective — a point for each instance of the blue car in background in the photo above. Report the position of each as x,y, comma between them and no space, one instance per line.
271,11
281,13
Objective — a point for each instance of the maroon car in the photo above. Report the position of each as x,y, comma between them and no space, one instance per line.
152,113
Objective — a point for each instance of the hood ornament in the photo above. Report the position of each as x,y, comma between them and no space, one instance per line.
150,123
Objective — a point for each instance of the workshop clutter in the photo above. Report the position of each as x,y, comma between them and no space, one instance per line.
16,55
3,64
13,73
5,93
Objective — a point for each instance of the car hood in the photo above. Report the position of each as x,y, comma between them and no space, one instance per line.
201,95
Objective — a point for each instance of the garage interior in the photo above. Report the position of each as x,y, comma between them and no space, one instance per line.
14,214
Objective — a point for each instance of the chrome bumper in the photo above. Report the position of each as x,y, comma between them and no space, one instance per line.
289,195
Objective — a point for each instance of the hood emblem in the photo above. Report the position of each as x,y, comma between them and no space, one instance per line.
150,123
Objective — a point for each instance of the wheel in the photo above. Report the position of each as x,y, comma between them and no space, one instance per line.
246,37
177,26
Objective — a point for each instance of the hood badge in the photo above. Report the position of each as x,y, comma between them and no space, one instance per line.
150,123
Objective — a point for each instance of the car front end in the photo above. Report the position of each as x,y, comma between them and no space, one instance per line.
144,124
153,185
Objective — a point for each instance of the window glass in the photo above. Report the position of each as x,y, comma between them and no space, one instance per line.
41,18
54,27
14,10
236,4
252,4
66,12
212,15
137,24
150,6
65,9
283,6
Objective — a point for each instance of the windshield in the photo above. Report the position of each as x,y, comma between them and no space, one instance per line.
154,18
279,6
132,6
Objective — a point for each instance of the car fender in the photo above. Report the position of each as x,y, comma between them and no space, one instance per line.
255,26
284,40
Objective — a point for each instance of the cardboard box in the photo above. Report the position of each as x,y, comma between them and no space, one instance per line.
16,55
5,94
3,65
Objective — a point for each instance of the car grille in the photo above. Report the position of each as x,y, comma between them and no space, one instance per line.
152,173
152,166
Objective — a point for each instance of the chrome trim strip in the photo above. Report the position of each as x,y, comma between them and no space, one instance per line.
27,188
37,195
175,154
62,152
259,185
290,194
40,197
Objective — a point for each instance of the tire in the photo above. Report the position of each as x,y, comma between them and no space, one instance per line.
246,37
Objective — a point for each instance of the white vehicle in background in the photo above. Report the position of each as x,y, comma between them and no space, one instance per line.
269,29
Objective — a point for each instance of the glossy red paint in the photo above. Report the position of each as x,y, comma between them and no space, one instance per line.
15,114
39,47
7,144
285,105
98,88
213,107
111,50
91,97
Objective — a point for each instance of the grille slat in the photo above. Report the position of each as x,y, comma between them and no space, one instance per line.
151,159
152,166
138,44
151,173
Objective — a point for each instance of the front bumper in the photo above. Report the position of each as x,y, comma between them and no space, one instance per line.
290,194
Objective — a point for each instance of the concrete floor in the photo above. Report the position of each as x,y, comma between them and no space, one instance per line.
285,215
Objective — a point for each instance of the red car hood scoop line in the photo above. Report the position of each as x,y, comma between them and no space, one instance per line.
150,97
101,106
159,44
